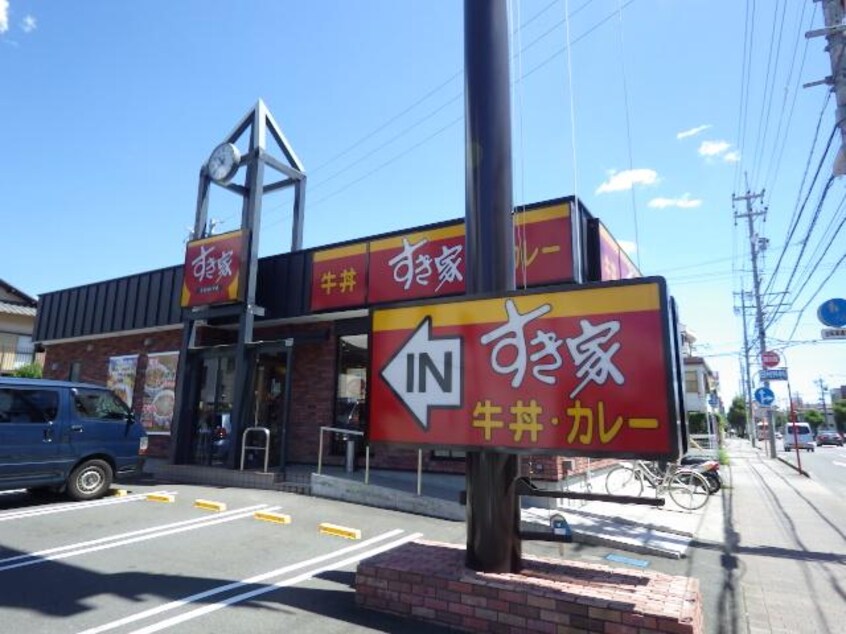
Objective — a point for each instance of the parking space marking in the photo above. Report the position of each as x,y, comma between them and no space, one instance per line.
104,543
68,506
838,463
200,596
238,598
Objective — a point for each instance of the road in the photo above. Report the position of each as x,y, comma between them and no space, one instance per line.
126,564
827,465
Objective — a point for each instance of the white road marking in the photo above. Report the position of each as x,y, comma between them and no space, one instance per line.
194,598
70,506
839,464
143,535
198,612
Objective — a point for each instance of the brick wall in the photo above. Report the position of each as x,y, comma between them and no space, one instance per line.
93,357
429,582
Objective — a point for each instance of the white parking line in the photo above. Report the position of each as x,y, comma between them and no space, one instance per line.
65,507
195,598
142,535
839,464
198,612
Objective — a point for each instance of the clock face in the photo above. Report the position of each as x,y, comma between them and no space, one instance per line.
223,162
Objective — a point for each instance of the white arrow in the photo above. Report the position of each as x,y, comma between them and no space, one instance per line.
426,372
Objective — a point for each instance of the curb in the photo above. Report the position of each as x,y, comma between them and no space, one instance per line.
794,467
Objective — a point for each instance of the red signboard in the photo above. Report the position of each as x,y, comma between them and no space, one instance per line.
423,264
582,371
339,277
212,272
770,359
544,245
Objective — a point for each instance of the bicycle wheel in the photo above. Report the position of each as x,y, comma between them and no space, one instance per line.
623,480
689,490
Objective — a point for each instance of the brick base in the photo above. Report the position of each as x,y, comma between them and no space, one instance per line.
428,581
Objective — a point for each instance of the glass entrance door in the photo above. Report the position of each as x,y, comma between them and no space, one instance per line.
270,408
212,437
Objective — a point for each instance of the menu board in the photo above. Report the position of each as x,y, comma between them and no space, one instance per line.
159,392
121,377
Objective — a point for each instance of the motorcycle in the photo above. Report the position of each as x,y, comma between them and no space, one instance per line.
707,468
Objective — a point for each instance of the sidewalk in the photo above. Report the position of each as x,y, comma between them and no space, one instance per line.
785,547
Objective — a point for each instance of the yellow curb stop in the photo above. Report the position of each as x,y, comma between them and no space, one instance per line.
161,497
277,518
208,505
339,531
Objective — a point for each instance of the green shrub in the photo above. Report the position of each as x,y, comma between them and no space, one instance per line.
29,371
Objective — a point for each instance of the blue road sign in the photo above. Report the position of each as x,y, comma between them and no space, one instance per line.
832,312
773,374
764,396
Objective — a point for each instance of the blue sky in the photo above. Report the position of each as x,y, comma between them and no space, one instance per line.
109,109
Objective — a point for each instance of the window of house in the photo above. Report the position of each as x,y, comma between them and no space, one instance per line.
691,385
75,371
351,389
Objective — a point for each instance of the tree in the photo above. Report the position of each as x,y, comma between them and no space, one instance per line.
737,415
839,408
815,418
697,423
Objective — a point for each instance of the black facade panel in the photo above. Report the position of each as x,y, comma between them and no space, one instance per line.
281,286
79,316
174,316
99,307
61,323
109,311
120,306
131,316
73,301
147,299
90,307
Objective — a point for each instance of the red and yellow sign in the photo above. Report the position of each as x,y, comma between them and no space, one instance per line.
582,371
615,264
432,262
212,270
428,263
339,277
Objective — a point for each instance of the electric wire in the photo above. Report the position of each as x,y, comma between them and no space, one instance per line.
572,101
745,82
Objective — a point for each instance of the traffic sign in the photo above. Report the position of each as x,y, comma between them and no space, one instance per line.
774,374
832,312
770,359
833,333
764,396
579,371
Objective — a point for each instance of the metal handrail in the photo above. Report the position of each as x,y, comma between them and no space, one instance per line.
265,448
351,432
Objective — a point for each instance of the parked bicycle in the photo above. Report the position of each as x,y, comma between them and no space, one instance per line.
687,488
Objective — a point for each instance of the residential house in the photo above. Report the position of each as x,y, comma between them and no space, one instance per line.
17,322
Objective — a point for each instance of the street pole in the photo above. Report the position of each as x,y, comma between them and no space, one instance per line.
750,427
792,414
493,514
823,388
759,313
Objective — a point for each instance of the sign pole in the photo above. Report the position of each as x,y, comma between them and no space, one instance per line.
493,543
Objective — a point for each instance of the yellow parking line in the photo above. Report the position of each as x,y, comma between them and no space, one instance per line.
339,531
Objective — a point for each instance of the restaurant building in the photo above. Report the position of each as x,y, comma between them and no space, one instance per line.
308,357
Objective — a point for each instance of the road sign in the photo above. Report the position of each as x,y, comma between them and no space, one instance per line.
582,371
774,374
832,313
764,396
713,400
770,359
833,333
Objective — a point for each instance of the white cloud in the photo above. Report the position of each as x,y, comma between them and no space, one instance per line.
4,16
713,148
693,131
29,24
685,202
628,246
732,157
625,180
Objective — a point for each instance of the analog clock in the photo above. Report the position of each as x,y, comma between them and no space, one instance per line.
223,162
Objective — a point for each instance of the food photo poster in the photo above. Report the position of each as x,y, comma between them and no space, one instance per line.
159,395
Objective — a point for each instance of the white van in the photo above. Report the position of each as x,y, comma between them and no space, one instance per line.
802,437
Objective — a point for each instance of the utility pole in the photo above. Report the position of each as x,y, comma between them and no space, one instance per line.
835,33
823,388
756,279
750,420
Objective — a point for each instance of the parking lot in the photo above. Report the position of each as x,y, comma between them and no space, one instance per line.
129,564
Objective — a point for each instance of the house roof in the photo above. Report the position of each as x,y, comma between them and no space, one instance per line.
25,299
7,308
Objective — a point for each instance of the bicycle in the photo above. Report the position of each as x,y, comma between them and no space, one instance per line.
687,488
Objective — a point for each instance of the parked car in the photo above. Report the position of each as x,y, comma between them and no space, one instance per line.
63,436
799,435
829,437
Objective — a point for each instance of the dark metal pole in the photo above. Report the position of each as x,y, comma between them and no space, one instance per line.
493,543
